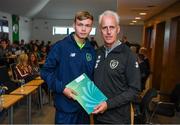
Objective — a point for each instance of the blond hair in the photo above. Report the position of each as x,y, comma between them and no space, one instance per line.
83,15
22,58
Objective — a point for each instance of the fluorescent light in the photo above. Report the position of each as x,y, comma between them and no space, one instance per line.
131,23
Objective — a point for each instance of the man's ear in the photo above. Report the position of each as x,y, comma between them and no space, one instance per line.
119,29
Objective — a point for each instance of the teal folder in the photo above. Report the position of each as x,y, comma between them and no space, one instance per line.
88,95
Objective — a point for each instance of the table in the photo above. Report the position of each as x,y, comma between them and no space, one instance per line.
37,82
27,92
8,102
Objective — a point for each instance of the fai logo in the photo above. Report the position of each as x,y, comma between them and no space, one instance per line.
88,57
113,64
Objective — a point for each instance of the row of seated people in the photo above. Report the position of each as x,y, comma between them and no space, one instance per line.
9,52
26,68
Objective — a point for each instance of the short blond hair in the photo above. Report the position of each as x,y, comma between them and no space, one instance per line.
83,15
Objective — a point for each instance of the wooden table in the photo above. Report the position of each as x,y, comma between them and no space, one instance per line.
27,92
37,82
8,102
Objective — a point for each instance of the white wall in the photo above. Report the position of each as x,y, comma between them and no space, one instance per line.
25,29
42,30
133,33
25,25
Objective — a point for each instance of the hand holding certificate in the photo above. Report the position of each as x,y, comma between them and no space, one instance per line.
88,95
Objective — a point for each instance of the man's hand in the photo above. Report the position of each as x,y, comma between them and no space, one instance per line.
101,108
69,93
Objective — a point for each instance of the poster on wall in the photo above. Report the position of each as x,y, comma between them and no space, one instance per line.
15,28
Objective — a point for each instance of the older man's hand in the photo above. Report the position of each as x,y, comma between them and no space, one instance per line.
101,108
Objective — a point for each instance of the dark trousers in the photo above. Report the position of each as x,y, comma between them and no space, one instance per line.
79,117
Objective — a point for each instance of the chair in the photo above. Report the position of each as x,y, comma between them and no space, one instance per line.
143,107
13,70
6,80
168,108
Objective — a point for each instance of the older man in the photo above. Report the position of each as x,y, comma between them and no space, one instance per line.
116,73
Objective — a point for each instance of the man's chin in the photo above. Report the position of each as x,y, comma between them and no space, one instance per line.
83,37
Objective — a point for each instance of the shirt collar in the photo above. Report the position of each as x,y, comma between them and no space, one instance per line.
108,50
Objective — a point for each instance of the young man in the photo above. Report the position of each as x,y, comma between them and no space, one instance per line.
116,73
67,60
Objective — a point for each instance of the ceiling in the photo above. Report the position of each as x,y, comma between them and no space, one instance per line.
65,9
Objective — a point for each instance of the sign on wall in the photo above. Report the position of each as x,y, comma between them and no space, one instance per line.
15,26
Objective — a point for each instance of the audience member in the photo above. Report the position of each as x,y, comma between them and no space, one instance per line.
23,69
125,40
94,43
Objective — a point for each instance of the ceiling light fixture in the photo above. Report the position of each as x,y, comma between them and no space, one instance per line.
142,14
137,18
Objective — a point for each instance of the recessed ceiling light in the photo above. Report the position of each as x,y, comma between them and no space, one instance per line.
131,23
137,18
142,14
134,21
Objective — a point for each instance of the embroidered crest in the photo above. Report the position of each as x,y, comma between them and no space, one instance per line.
113,64
88,57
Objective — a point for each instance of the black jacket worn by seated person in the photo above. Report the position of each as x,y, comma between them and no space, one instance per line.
118,77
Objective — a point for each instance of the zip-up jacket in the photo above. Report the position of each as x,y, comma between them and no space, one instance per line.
65,62
118,77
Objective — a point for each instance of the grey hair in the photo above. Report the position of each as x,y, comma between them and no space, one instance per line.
109,13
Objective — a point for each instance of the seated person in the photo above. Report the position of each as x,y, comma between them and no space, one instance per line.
33,62
23,69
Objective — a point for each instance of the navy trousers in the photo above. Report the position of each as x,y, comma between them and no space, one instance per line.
79,117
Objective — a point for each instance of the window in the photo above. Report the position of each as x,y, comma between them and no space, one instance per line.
93,31
5,29
59,30
68,30
71,29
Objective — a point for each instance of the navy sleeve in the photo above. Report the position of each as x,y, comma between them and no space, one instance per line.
50,68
